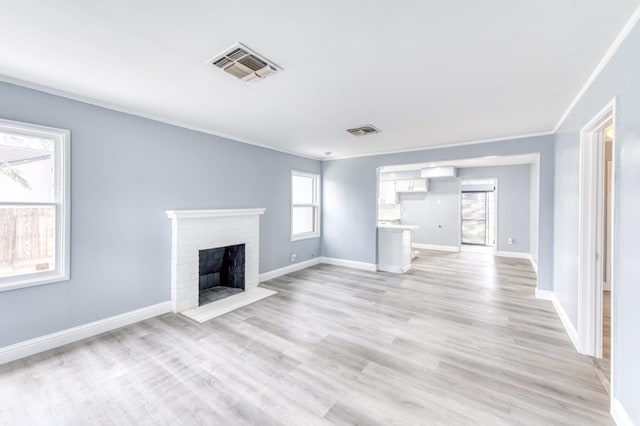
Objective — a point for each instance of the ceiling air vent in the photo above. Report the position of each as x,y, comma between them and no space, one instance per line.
245,64
363,131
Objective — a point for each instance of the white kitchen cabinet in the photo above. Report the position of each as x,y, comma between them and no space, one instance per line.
388,192
394,248
403,185
412,185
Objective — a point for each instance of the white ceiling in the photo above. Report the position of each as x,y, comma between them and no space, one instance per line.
427,73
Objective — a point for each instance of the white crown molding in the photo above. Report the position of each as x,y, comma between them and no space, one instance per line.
138,113
447,145
165,120
193,214
70,335
617,42
275,273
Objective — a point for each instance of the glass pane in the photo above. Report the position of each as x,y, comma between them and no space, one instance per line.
473,205
26,168
303,220
302,190
27,239
474,232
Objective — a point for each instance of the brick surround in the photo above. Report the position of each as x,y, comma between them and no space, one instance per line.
195,230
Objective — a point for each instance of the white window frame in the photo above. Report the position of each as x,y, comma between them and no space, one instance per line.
315,204
61,202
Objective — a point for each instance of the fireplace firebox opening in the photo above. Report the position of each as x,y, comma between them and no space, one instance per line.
221,272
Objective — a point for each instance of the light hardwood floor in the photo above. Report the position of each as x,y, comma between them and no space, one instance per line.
458,340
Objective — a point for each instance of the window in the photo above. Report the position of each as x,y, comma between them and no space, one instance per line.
305,205
34,205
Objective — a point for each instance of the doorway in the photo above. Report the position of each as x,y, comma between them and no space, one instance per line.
478,215
597,189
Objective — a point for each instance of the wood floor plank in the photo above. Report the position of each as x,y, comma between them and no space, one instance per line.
460,339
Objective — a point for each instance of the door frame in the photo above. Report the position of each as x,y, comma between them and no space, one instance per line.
495,216
591,232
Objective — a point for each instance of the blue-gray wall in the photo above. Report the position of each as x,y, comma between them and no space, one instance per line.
349,197
534,206
125,172
621,79
437,211
513,203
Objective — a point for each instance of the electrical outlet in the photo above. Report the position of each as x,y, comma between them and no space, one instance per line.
293,257
510,241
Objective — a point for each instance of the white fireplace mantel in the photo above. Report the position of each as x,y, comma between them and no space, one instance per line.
193,214
195,230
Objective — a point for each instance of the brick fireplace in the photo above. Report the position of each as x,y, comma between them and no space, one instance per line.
195,232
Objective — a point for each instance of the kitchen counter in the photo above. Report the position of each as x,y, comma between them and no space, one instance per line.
394,247
399,227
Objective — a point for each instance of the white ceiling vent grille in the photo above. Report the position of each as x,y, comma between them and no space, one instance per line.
245,64
363,130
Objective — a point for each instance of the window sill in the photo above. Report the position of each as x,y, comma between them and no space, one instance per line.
305,236
14,283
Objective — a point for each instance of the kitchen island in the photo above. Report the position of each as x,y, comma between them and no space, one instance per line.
394,247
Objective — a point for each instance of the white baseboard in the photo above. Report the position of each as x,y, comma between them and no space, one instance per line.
349,263
288,269
619,414
534,264
70,335
566,322
513,254
435,247
394,269
544,294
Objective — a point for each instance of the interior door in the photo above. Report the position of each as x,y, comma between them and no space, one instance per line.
474,218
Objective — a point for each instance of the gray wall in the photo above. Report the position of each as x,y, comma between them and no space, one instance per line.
534,207
513,203
620,78
439,222
349,196
126,171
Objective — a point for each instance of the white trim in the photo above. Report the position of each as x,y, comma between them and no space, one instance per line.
617,42
534,264
394,269
61,202
446,145
513,254
590,233
70,335
275,273
192,214
160,119
619,414
349,263
437,247
566,322
544,294
315,205
148,116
